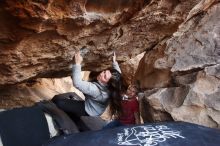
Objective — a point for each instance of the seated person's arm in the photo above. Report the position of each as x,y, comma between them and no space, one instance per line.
137,118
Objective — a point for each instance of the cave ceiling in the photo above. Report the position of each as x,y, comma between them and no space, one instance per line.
38,38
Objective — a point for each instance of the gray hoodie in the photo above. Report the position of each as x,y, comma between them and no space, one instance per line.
96,93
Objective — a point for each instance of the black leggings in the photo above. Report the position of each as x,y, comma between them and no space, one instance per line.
74,108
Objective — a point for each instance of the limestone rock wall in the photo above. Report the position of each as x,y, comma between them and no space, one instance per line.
38,38
26,94
190,91
180,38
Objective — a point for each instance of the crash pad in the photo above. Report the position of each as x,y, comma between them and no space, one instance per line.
25,126
155,134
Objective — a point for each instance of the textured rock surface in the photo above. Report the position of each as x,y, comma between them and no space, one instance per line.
129,68
39,38
27,94
149,74
197,44
43,36
180,68
192,57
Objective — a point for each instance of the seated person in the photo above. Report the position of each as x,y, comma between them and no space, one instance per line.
129,107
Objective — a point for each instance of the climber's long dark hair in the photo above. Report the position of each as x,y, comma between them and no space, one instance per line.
116,88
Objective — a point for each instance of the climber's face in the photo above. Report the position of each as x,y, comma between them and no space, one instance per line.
104,76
